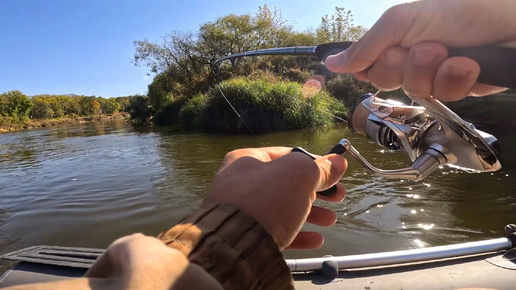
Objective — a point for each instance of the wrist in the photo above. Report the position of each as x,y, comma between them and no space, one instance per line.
231,246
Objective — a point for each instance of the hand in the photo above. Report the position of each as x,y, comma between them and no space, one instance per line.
407,47
277,188
139,260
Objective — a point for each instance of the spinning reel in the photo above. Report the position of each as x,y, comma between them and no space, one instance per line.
430,134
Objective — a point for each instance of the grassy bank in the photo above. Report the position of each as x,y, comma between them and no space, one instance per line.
6,126
263,105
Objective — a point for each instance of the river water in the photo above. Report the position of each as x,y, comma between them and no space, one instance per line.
86,185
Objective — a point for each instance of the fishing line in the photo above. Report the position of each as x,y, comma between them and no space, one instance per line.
326,111
239,116
336,117
231,105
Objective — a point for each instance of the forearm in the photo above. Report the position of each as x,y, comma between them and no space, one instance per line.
232,247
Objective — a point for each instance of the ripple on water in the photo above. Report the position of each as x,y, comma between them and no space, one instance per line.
87,185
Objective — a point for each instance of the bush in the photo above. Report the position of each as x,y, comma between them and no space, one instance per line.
159,92
16,105
264,106
190,113
109,106
41,109
323,109
169,114
139,109
347,89
5,121
297,75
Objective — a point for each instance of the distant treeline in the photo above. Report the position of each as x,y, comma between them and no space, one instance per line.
269,92
186,89
16,107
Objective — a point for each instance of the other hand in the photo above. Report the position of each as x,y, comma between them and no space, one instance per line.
407,47
278,188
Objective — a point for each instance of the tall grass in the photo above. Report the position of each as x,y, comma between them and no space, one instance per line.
264,105
190,113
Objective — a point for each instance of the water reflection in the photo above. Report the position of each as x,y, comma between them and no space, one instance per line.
87,184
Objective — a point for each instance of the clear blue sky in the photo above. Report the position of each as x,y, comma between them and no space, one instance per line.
85,47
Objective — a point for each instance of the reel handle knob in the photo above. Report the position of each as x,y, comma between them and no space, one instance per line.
337,149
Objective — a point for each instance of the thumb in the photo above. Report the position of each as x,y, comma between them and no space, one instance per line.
331,169
388,31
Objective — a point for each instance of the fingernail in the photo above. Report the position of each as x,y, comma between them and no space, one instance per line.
458,72
334,157
327,162
336,60
337,161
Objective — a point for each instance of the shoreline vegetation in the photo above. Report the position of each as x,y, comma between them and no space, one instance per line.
35,124
18,111
269,93
265,94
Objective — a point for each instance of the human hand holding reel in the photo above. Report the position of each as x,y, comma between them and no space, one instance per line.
431,134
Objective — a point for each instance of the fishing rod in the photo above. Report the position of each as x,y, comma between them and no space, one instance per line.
430,133
320,51
498,64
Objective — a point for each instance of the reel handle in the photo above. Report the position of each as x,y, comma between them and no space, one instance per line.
337,149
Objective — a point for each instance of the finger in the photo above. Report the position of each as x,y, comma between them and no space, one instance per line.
276,152
387,72
307,241
321,216
455,78
422,65
389,30
361,76
264,154
338,196
480,90
331,169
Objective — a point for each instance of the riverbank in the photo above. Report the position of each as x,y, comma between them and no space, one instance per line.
34,124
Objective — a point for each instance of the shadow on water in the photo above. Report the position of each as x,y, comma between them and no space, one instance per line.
86,185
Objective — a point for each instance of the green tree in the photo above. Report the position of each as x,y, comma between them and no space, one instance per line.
238,33
41,108
124,103
139,109
182,61
3,105
339,27
161,91
95,106
16,105
86,104
108,106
